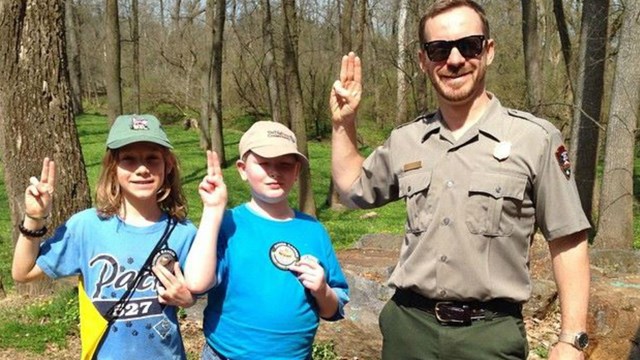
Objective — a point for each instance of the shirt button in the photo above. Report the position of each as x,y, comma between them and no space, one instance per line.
449,183
443,293
443,258
498,189
409,189
446,221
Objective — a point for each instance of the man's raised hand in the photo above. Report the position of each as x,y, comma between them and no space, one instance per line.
347,91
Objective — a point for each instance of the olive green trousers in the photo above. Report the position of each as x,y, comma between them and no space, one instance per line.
411,333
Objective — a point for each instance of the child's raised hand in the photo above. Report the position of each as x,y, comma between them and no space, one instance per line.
310,274
39,194
212,189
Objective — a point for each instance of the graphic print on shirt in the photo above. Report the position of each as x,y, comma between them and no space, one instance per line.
113,281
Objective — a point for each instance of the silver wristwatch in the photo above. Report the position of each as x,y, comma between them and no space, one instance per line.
579,340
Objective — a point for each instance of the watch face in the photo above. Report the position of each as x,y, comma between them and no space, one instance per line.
582,340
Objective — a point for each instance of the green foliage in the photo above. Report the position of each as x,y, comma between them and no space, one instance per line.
541,351
324,351
170,114
41,324
239,121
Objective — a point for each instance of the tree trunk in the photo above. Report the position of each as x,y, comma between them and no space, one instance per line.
269,68
588,99
532,51
565,42
345,26
206,101
401,80
306,202
36,116
162,22
73,52
615,223
362,28
175,15
217,141
112,61
135,38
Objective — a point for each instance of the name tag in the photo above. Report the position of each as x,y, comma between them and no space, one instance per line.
412,166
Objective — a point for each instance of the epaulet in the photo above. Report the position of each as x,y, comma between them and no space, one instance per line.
546,125
521,114
423,118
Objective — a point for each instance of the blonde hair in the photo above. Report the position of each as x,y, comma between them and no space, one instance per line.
170,197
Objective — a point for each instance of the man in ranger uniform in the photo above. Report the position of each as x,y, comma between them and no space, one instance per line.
478,180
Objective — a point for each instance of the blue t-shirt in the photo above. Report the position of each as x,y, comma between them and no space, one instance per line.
257,310
108,254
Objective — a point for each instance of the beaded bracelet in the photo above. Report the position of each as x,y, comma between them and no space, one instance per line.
31,233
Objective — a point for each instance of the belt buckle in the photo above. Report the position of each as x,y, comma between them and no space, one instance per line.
464,317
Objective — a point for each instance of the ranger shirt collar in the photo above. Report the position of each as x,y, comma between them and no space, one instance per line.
490,123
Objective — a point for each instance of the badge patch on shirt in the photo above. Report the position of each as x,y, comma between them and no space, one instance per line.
283,255
166,258
412,166
562,155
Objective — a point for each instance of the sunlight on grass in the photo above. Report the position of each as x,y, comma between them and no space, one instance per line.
40,325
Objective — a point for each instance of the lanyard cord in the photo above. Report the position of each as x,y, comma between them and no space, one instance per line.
146,267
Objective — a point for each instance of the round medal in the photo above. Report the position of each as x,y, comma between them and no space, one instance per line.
166,258
283,255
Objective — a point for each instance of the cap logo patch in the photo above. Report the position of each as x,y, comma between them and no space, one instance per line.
283,255
280,134
139,124
562,155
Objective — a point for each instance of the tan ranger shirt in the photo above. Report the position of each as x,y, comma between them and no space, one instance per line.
473,203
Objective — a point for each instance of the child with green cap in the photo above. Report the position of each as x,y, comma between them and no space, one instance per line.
127,250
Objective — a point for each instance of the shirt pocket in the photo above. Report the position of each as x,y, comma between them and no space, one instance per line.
490,197
414,187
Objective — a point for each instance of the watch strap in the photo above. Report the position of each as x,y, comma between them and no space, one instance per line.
572,339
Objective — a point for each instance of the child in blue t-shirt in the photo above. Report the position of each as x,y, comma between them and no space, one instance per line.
138,199
269,271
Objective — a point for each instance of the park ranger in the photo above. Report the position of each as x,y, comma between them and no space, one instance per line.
479,180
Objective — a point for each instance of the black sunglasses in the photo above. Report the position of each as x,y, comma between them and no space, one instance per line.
469,47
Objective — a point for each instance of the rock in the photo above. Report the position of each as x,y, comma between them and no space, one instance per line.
614,309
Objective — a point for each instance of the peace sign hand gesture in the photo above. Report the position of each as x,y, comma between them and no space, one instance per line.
346,92
38,196
212,189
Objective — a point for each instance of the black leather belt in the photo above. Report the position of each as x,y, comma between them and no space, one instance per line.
457,312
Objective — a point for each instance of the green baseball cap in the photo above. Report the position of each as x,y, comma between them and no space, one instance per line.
129,129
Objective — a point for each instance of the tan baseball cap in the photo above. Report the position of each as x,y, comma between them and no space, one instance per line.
270,139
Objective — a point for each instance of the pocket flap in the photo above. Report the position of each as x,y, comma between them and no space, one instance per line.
498,185
414,182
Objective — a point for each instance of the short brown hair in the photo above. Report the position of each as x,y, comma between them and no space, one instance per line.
170,197
440,6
